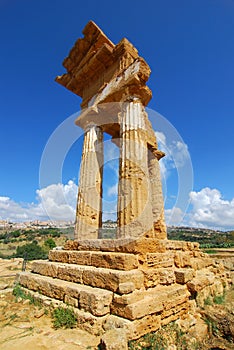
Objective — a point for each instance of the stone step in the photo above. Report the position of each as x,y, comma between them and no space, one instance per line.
94,300
122,282
109,260
148,302
96,325
123,245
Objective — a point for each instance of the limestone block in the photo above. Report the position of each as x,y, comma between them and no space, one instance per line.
114,339
124,245
134,329
119,261
147,306
160,259
184,275
131,298
126,287
97,301
183,259
72,290
144,325
58,255
71,245
71,273
181,245
153,277
203,279
90,323
217,288
199,330
203,295
80,258
174,314
45,268
111,279
71,301
200,263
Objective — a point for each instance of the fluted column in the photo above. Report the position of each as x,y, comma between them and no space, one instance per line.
134,201
89,203
157,196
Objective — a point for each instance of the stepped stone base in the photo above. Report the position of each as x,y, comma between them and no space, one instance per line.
135,285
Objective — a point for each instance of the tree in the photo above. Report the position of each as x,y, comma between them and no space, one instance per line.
50,243
31,251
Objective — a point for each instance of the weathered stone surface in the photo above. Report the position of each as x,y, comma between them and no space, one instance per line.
184,275
112,279
58,255
79,258
114,339
160,259
93,300
90,323
203,279
111,260
126,245
97,302
89,202
119,261
147,306
182,245
153,277
131,298
183,258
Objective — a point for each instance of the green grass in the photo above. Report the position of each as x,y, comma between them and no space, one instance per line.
64,318
18,292
163,338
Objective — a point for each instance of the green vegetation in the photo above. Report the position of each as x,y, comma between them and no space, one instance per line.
208,301
50,243
219,299
30,251
64,318
19,293
206,238
31,243
163,338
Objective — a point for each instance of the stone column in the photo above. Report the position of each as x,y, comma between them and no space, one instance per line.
157,195
89,203
134,200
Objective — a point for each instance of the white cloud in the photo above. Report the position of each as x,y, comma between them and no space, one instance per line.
209,209
174,216
112,190
177,154
55,202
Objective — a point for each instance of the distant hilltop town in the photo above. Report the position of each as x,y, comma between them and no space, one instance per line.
5,224
109,224
37,224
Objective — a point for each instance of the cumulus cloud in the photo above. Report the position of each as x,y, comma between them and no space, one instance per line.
177,154
55,202
174,216
209,209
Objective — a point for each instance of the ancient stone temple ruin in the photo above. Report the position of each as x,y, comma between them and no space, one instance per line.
139,280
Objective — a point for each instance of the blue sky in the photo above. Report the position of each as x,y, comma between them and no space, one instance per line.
189,47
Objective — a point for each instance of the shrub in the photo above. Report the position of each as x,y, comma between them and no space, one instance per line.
30,251
50,243
64,318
